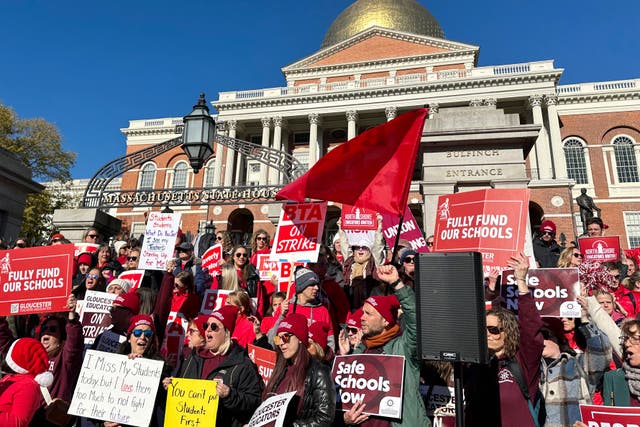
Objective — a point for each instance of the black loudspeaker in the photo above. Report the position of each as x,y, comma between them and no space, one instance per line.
450,307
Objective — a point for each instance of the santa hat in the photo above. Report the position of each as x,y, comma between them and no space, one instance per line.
354,320
141,320
123,283
227,315
129,300
28,356
319,332
296,324
387,306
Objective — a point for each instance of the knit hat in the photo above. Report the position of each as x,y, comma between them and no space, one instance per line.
361,239
185,246
387,306
123,283
28,356
404,253
305,278
319,332
85,258
548,226
296,324
354,319
227,315
118,245
140,320
57,236
199,321
128,300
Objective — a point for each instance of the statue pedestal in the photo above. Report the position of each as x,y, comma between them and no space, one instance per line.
72,223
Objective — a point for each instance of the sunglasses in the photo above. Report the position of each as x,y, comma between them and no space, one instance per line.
359,248
132,258
219,238
48,329
93,236
21,245
282,339
578,255
139,332
56,240
429,243
214,326
241,255
352,330
92,276
548,233
494,330
261,238
409,260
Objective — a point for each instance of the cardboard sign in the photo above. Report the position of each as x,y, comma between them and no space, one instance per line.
358,218
267,267
159,240
95,316
110,341
491,221
35,280
375,379
134,276
173,342
211,258
610,416
299,232
213,299
600,249
112,387
272,411
191,403
436,396
410,231
264,359
85,248
555,291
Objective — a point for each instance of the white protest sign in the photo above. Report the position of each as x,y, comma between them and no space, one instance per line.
213,299
299,232
95,317
267,267
112,387
159,240
274,409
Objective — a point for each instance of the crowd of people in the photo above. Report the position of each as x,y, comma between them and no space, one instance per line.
358,298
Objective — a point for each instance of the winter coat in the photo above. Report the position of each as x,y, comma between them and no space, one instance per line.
615,390
19,400
319,398
547,255
201,280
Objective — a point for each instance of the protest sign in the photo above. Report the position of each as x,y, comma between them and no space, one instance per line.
299,232
112,387
358,218
286,272
555,291
95,316
173,342
375,379
491,221
85,248
272,412
610,416
191,403
110,341
410,231
211,259
600,249
436,396
267,267
264,359
35,280
159,240
134,276
213,299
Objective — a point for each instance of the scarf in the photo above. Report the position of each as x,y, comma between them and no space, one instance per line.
383,337
632,376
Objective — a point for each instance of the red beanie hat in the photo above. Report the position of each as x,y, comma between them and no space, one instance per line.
199,321
319,332
85,258
226,315
548,226
130,301
140,320
296,324
354,319
28,356
387,306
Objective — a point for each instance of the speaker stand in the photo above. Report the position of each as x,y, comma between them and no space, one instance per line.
458,393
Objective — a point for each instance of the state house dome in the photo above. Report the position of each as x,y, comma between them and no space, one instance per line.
403,15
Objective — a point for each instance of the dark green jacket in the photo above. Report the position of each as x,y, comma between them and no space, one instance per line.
615,390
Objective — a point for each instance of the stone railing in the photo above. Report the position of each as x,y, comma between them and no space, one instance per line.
592,88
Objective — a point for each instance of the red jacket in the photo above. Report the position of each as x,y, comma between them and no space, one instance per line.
19,400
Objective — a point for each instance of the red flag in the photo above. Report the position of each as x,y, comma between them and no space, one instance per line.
372,170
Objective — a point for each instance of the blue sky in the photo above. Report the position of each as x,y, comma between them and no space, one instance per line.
90,67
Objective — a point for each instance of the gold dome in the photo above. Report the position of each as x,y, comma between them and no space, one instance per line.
403,15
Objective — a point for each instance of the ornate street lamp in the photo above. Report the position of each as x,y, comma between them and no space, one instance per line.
199,134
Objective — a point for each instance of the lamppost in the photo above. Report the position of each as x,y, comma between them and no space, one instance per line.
198,135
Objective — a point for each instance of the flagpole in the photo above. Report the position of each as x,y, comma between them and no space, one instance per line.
397,242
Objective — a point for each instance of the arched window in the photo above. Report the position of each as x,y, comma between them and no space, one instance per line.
626,164
180,172
147,176
209,173
576,164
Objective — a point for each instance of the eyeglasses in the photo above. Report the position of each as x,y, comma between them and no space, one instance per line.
429,243
548,233
92,236
409,260
635,339
359,248
617,276
56,240
261,238
352,330
214,326
139,332
578,255
282,339
219,238
48,329
494,330
21,245
241,255
92,276
132,258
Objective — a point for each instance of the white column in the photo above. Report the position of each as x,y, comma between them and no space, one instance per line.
266,127
434,108
542,142
557,151
228,166
352,119
278,123
391,113
219,148
314,119
587,161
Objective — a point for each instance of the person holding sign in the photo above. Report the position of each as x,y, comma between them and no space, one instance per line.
297,371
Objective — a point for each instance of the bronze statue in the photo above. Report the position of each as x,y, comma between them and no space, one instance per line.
587,206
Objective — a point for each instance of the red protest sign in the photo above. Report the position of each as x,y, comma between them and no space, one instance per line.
358,218
410,231
299,232
600,249
36,280
375,379
264,359
491,221
267,267
610,416
211,259
555,291
213,299
85,247
134,276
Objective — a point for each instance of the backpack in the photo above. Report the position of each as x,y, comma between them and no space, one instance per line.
536,406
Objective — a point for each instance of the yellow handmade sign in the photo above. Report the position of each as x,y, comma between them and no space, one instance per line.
191,403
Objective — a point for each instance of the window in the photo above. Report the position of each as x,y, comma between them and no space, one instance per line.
254,167
632,226
626,164
209,173
147,176
576,164
301,138
180,172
